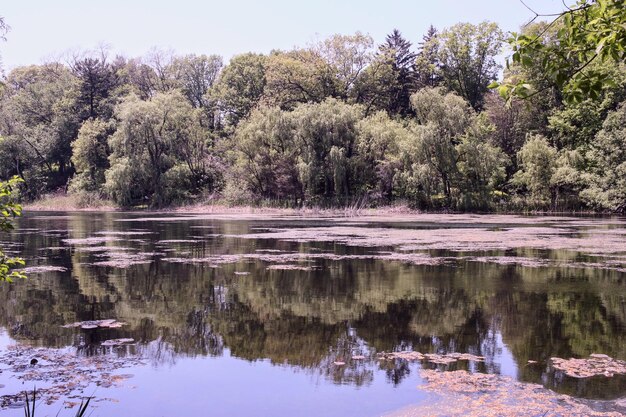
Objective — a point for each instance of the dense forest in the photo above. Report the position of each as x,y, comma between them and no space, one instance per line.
340,122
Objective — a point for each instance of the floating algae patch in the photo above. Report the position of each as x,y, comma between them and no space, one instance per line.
53,249
457,239
441,359
118,342
124,233
609,264
42,269
290,267
295,257
59,374
213,260
125,259
169,241
94,324
511,260
462,393
596,365
118,257
102,248
91,240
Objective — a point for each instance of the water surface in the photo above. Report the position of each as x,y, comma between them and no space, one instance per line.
271,316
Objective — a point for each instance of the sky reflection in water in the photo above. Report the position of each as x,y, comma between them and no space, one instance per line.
235,337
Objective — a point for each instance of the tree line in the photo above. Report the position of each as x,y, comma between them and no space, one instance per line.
342,121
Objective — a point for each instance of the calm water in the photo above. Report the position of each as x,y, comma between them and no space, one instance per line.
229,335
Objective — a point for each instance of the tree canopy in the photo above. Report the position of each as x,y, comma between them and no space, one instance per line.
589,31
340,121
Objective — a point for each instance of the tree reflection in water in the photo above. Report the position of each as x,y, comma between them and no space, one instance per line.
312,320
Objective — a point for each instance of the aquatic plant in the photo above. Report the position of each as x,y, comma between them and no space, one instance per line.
29,406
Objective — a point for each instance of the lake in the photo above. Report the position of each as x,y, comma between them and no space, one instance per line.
267,315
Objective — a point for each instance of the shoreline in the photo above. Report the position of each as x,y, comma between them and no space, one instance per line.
68,203
390,211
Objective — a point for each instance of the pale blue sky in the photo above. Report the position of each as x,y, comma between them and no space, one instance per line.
45,29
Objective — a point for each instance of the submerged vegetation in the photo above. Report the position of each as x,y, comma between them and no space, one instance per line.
340,122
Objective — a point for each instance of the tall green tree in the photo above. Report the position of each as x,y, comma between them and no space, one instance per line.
327,135
377,85
442,121
607,176
449,159
402,58
467,54
347,56
427,65
378,154
266,158
240,87
151,161
90,155
537,160
39,112
97,80
197,74
298,76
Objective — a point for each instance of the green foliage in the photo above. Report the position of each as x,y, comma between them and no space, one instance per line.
443,119
376,85
298,76
326,134
90,155
96,81
481,165
8,210
449,161
334,122
607,176
592,30
537,162
576,124
152,137
378,146
266,157
397,50
427,61
467,57
38,113
240,86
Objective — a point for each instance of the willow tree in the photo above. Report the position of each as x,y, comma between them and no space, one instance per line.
326,133
265,158
537,160
152,160
443,119
90,155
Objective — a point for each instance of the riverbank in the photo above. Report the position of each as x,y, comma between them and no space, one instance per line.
69,202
